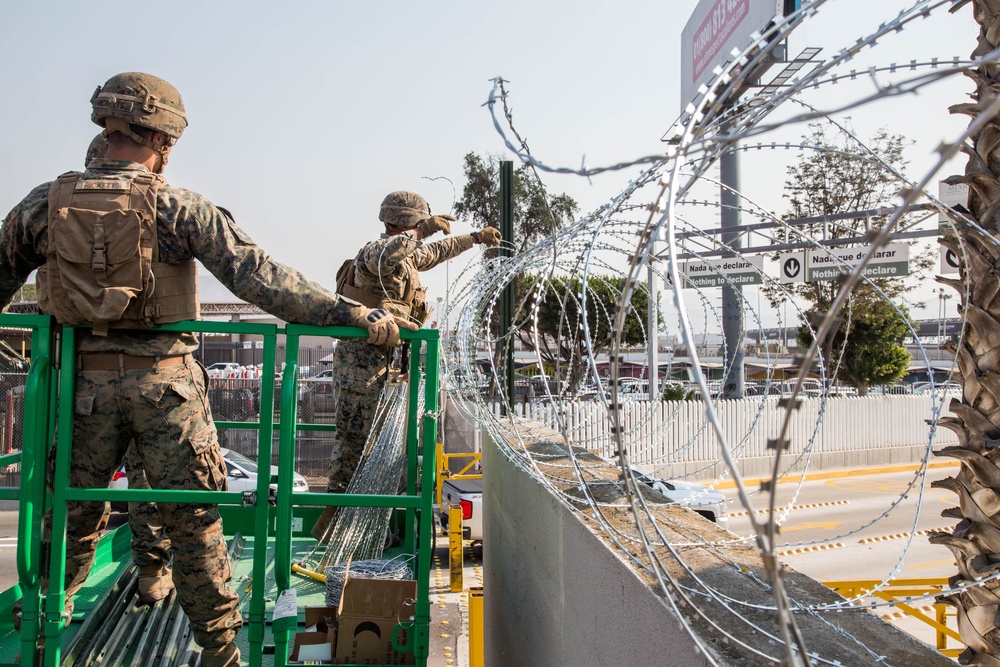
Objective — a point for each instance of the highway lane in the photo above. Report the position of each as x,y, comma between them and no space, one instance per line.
860,527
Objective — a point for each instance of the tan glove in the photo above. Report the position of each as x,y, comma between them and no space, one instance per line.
383,327
487,236
435,224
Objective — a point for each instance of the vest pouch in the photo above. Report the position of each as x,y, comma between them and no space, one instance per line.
420,311
399,308
102,265
43,288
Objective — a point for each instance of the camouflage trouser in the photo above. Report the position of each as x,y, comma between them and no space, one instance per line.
358,381
165,415
150,544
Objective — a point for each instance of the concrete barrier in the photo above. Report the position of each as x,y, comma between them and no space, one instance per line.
560,590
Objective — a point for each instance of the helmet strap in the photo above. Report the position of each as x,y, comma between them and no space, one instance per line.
158,169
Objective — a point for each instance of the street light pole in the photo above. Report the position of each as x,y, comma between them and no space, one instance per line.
943,297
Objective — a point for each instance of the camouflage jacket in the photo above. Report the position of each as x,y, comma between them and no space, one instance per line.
390,265
187,225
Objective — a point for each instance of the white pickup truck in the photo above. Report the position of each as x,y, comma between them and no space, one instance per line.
468,493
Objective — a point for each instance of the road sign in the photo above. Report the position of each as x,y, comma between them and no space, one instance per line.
952,195
949,260
715,28
891,261
736,271
792,267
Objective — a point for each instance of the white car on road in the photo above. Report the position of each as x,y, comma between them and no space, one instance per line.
706,501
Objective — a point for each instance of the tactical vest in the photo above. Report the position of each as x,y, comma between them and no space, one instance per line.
412,304
102,264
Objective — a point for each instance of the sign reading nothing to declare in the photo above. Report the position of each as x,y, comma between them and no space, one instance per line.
891,261
734,271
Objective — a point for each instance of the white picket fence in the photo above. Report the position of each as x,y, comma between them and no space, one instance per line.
676,438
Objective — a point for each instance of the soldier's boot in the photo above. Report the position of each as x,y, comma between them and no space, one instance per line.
323,523
155,583
226,656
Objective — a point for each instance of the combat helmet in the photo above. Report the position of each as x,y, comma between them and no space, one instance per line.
140,99
98,148
403,209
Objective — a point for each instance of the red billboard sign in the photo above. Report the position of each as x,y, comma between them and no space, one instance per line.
722,20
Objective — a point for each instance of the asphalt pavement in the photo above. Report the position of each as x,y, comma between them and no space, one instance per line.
868,524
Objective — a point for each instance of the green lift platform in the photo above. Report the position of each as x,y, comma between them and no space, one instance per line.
266,539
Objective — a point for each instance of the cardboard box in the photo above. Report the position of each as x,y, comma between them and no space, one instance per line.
317,642
370,610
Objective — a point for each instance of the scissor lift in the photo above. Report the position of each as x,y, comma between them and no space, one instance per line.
266,539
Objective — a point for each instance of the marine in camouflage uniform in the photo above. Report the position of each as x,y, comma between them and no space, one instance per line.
384,274
150,543
144,387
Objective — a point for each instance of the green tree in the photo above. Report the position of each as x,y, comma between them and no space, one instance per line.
677,392
535,215
560,333
866,349
26,293
842,176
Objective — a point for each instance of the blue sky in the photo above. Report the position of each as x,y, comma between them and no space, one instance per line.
304,115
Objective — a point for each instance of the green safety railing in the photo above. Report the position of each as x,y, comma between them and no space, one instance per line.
48,380
417,504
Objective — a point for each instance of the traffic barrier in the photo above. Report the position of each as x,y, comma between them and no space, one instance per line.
902,593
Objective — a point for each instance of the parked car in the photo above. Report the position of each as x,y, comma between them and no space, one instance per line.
316,393
948,386
222,369
236,404
633,387
241,475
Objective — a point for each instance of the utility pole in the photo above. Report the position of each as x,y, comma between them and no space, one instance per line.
732,296
507,297
652,327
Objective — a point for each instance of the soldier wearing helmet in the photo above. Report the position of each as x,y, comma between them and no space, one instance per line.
101,241
98,148
150,545
384,274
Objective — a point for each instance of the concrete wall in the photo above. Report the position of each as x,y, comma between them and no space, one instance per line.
554,594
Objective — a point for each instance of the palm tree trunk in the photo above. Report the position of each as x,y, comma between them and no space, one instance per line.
975,541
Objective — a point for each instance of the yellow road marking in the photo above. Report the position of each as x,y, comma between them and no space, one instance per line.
827,525
932,563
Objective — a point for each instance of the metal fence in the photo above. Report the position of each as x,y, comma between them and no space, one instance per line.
11,428
675,438
238,400
231,400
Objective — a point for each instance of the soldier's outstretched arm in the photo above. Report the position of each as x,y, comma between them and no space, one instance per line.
252,275
20,235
